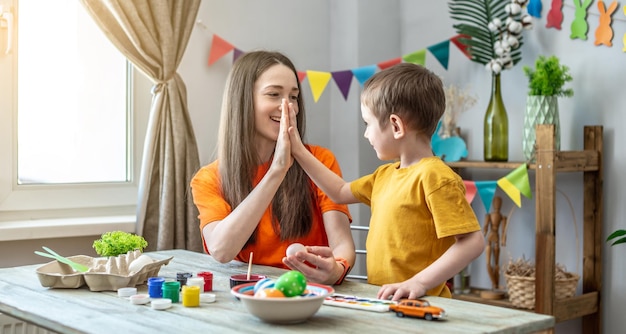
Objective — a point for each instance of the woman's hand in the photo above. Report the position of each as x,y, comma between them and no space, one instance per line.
282,152
317,264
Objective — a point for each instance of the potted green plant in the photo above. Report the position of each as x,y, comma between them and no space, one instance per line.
115,243
546,83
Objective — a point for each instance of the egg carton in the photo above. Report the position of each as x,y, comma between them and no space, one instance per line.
104,274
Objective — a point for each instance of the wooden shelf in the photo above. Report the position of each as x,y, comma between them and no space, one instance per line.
565,309
566,161
549,162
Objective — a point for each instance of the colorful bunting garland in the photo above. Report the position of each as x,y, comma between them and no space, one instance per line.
318,80
513,184
441,51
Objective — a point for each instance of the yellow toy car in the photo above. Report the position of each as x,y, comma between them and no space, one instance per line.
418,308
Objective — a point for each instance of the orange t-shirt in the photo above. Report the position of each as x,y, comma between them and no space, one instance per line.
268,248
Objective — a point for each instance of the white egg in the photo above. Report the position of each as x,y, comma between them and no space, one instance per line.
139,263
294,248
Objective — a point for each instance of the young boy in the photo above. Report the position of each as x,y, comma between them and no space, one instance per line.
422,229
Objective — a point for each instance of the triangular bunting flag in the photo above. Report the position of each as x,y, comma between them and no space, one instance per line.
417,57
364,73
236,54
470,191
219,47
519,178
441,51
301,76
486,190
388,63
510,190
343,79
318,81
456,40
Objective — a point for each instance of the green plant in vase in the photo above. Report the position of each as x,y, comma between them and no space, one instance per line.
492,31
546,83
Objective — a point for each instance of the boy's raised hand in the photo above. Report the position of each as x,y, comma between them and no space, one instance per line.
294,134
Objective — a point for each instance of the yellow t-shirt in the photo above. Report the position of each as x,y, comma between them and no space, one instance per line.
268,248
416,212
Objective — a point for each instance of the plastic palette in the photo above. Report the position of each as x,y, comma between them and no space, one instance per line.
358,303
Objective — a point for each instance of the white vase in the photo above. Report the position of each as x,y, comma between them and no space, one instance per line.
540,110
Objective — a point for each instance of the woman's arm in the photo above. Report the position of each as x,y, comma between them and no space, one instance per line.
224,239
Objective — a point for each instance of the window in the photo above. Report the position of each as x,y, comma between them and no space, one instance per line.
70,139
78,123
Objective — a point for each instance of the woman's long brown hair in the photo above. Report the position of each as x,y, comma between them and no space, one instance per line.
292,205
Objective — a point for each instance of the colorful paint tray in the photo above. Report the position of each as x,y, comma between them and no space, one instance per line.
358,303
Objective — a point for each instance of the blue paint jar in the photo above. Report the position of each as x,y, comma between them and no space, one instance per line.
155,287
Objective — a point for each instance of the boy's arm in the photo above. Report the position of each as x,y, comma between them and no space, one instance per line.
466,248
332,184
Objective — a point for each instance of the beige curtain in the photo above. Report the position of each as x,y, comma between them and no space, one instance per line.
153,35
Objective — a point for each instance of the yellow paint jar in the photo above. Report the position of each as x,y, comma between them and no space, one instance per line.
191,295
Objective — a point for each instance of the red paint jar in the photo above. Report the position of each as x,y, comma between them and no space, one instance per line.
208,280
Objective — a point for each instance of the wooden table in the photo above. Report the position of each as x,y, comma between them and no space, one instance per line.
83,311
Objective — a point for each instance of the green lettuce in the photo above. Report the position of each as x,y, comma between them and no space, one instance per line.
118,242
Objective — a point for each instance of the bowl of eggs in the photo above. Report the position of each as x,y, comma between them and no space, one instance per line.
287,300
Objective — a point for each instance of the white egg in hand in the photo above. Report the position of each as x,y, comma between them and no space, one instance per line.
294,248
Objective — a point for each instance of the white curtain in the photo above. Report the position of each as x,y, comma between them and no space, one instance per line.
153,35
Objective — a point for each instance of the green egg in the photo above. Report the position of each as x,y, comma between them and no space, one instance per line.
291,283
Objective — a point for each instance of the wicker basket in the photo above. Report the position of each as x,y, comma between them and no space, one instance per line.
521,290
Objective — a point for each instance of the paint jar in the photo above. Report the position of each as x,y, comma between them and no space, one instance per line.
208,280
171,290
191,296
196,281
182,278
155,287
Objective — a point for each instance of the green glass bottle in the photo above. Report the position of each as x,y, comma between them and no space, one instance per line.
496,127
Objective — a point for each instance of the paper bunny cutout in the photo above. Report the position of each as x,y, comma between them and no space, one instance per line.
604,32
534,8
555,15
579,25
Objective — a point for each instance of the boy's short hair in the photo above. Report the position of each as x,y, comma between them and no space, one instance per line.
410,91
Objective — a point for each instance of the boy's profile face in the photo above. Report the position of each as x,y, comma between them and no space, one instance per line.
381,139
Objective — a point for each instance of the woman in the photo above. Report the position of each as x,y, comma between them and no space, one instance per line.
253,201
